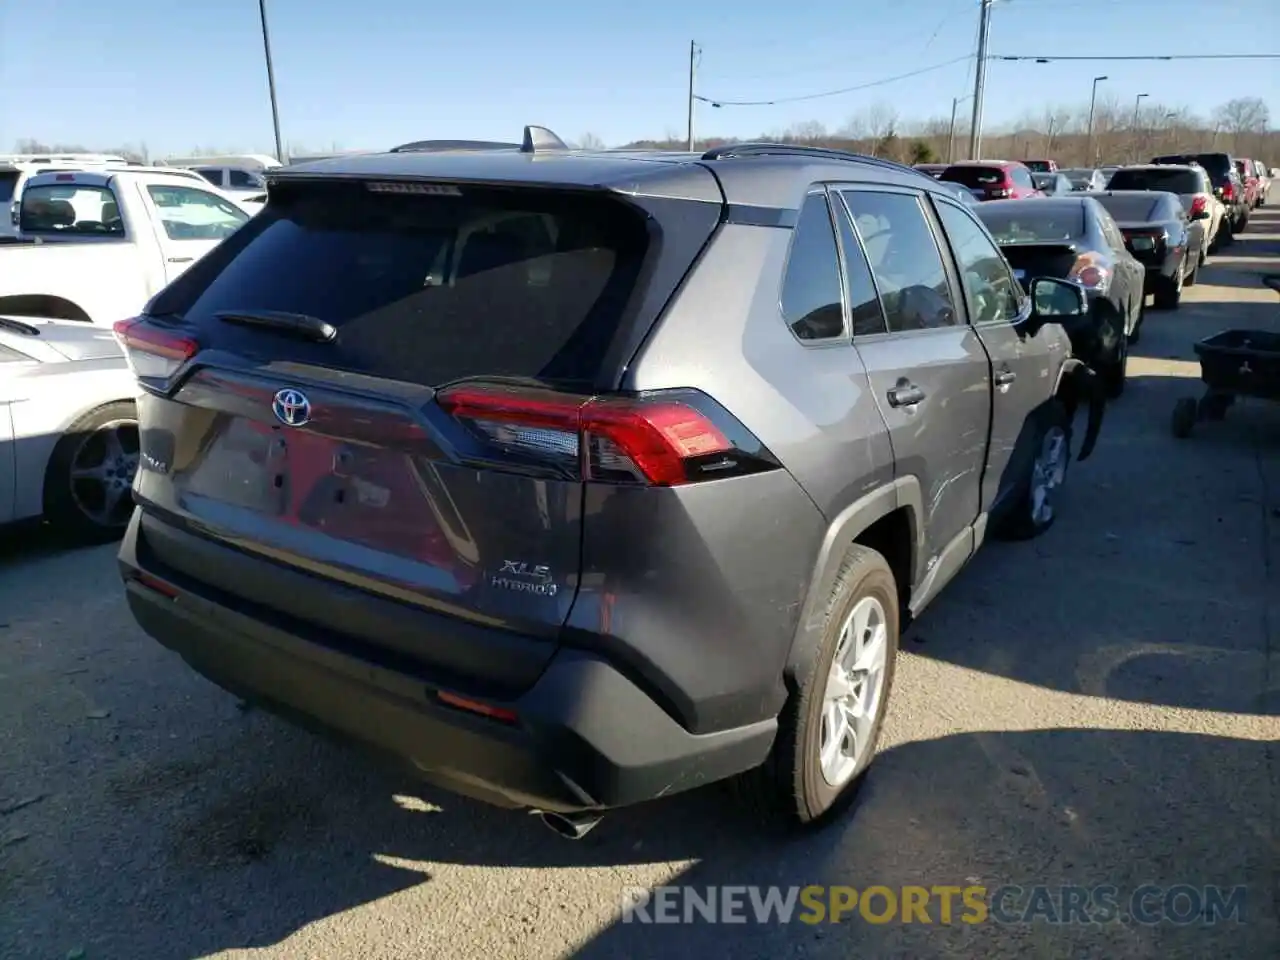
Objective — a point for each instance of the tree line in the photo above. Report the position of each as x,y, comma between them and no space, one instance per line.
1121,134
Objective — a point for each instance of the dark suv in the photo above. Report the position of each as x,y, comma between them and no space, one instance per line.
1228,187
576,478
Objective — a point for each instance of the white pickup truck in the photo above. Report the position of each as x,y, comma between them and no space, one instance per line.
97,245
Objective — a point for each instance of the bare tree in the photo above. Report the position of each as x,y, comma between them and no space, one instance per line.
1245,115
589,141
809,132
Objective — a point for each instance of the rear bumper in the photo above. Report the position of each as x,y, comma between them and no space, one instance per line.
587,738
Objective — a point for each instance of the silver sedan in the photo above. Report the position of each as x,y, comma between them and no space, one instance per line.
68,427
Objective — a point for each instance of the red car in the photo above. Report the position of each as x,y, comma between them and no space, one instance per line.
1252,185
993,179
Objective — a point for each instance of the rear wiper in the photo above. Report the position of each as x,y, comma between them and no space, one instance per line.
300,325
17,326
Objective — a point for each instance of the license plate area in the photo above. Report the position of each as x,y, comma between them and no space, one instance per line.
1142,243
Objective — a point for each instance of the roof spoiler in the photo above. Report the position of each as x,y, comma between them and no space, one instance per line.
731,150
535,140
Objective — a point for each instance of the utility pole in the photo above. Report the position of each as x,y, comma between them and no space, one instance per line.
693,73
1093,102
271,80
980,81
951,135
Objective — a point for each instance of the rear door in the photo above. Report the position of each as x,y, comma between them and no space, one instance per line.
928,371
375,458
190,222
11,361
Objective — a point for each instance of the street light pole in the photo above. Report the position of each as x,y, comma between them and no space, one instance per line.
1137,105
693,72
1093,102
980,80
271,79
951,135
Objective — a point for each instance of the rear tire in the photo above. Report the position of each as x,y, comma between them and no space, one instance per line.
793,787
1168,292
92,467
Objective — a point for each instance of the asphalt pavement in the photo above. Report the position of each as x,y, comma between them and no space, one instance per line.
1097,707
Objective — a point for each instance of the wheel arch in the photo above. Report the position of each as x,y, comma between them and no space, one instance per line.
43,305
887,520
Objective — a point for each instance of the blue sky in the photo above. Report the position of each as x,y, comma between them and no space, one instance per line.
176,74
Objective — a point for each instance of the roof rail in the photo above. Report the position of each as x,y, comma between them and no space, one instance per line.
729,150
535,140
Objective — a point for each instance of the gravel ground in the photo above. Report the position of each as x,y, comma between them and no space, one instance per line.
1101,706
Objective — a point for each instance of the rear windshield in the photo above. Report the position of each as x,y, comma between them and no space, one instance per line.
974,176
70,208
8,180
1037,166
1135,208
426,288
1217,164
1033,221
1170,180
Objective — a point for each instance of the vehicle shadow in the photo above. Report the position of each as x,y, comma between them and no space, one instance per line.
318,832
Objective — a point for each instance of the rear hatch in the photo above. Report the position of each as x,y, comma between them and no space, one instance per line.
985,183
1030,260
1039,238
383,385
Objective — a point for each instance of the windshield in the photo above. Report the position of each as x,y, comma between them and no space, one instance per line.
1033,221
70,208
1037,166
1172,179
974,176
1134,208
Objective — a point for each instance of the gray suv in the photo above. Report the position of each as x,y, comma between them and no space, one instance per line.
577,479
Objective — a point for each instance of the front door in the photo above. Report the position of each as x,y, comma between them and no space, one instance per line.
191,223
1022,363
928,370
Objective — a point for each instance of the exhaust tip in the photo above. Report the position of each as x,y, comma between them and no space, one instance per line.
571,826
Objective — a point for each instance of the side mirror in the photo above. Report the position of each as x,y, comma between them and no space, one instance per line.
1053,299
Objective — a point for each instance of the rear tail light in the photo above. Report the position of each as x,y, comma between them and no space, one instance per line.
1228,192
1091,274
1199,205
153,352
658,440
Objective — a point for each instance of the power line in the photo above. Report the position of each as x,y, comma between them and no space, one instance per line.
1180,56
832,93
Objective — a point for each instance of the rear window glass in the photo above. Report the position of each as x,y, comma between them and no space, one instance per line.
1132,208
1032,221
426,289
1218,164
974,176
1173,181
8,180
70,208
1036,166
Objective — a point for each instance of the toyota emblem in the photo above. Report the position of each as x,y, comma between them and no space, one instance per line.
291,407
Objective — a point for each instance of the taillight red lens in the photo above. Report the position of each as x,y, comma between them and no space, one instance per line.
607,439
1199,205
1228,192
153,352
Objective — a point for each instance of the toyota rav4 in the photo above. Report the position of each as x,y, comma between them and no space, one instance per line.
576,479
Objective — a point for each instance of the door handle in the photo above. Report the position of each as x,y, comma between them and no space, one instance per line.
181,259
1005,377
905,395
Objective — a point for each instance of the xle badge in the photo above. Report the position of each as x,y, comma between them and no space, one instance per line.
525,578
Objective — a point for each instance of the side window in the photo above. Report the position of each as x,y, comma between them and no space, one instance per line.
810,299
1110,230
191,214
989,287
8,355
244,179
212,174
904,258
864,302
1022,178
